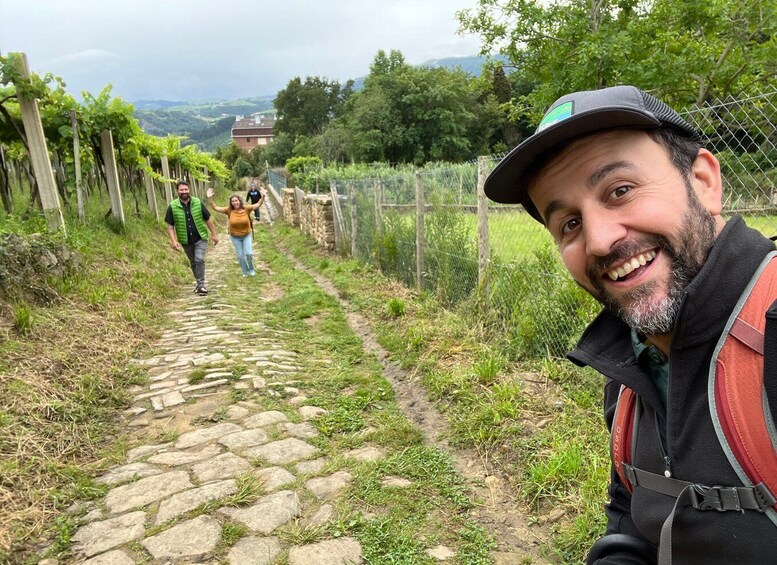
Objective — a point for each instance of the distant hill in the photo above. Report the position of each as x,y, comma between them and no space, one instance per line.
207,122
155,104
204,122
472,64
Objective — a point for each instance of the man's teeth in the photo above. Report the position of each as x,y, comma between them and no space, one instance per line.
630,265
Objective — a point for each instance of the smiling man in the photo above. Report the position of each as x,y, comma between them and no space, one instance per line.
634,203
188,224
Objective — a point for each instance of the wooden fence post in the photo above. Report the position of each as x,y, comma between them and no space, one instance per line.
379,209
484,260
39,154
112,175
77,161
150,194
379,222
352,202
419,231
337,216
166,174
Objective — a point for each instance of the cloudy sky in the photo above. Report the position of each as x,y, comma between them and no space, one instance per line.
184,50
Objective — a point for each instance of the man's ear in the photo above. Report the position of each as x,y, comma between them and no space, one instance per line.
707,182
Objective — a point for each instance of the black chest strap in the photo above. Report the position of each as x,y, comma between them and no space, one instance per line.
700,497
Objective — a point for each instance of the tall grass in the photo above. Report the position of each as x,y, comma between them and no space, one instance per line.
66,342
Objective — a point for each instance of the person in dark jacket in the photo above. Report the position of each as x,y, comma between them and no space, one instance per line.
255,196
634,204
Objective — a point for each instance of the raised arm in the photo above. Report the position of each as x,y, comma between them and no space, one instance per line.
209,194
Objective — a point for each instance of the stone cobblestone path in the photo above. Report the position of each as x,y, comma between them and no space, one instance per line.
145,516
226,453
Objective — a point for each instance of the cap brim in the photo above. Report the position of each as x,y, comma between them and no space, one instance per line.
508,182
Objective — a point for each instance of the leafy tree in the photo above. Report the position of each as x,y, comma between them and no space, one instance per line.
243,168
335,144
305,108
303,171
279,150
689,51
412,115
228,153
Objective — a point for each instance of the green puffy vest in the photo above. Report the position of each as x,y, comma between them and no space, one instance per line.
179,217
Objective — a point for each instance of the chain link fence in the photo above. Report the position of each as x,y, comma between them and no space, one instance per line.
498,266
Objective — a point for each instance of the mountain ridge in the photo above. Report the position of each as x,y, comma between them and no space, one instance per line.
204,121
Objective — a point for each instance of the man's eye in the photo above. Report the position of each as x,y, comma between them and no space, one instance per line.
621,191
570,225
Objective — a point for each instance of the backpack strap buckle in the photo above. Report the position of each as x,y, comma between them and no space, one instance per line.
720,499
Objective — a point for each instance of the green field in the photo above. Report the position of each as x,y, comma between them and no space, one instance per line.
515,236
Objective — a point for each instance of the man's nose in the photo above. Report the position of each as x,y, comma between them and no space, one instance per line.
602,229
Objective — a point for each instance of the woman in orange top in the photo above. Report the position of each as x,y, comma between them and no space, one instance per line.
241,228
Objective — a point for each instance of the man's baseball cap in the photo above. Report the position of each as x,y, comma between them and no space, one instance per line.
572,116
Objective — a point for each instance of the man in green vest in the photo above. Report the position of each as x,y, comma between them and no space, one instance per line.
188,222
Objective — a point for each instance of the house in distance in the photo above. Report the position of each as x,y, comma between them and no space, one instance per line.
253,131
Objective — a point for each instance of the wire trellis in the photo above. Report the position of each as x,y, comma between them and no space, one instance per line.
520,289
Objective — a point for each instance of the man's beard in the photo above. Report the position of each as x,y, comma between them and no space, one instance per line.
184,198
687,253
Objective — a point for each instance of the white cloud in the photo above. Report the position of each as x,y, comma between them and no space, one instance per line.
202,48
87,56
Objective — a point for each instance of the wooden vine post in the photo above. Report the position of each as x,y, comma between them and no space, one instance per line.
112,175
150,194
166,174
77,161
39,153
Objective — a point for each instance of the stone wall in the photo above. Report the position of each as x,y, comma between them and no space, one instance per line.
317,220
290,207
314,218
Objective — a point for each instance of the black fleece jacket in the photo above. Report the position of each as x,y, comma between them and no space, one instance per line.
680,437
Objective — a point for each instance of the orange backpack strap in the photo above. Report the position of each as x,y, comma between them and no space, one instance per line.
622,436
738,401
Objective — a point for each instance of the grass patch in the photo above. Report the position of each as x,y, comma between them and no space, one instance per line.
197,376
487,393
232,532
59,397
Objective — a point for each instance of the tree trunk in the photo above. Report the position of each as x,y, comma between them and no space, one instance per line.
5,187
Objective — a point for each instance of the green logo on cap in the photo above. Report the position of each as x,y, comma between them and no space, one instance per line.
557,114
